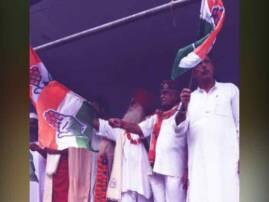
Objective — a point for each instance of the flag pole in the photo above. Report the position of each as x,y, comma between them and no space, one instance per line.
114,23
183,108
190,81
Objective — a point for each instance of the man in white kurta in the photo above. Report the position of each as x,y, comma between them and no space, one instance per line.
168,146
135,165
130,155
170,164
213,138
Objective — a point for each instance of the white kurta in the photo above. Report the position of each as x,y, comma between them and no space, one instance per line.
135,165
170,160
37,188
213,141
171,147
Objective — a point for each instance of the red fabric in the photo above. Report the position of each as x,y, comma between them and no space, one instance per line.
156,130
133,141
143,97
101,181
60,181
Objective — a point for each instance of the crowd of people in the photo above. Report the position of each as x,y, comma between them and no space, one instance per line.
186,151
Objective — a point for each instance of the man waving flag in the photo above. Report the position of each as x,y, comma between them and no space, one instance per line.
212,17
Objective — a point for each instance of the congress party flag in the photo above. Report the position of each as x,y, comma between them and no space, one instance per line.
212,18
39,76
64,118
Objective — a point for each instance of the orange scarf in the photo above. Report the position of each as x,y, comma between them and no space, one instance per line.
156,130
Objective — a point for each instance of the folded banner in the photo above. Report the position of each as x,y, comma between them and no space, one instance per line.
212,17
64,118
39,76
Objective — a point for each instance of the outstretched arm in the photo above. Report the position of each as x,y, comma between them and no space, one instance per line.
130,127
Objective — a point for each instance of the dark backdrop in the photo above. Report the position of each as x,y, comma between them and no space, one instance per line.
114,62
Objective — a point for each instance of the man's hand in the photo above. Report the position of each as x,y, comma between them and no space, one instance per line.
129,127
185,96
35,147
115,122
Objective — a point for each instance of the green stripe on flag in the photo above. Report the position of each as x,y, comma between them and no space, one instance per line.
86,115
205,28
82,142
199,42
176,70
183,52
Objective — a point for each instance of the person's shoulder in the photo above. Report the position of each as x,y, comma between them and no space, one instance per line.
229,88
103,121
195,92
228,85
149,117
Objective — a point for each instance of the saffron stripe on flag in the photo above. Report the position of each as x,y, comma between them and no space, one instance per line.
211,21
64,118
39,76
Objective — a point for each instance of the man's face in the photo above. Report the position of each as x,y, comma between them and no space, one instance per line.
168,97
204,70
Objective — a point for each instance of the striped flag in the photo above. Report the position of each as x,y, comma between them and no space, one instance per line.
64,118
212,17
39,76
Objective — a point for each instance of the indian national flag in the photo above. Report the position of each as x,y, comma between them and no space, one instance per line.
212,17
38,75
64,118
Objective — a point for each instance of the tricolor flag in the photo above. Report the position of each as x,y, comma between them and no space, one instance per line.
64,118
39,76
212,17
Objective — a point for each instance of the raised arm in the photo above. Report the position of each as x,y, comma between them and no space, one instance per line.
185,96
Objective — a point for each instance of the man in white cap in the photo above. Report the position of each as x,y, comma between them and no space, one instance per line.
168,147
129,180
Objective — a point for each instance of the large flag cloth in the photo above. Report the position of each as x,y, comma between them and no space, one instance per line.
212,17
64,118
39,76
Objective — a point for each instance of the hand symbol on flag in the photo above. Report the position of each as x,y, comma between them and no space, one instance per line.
36,79
66,125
